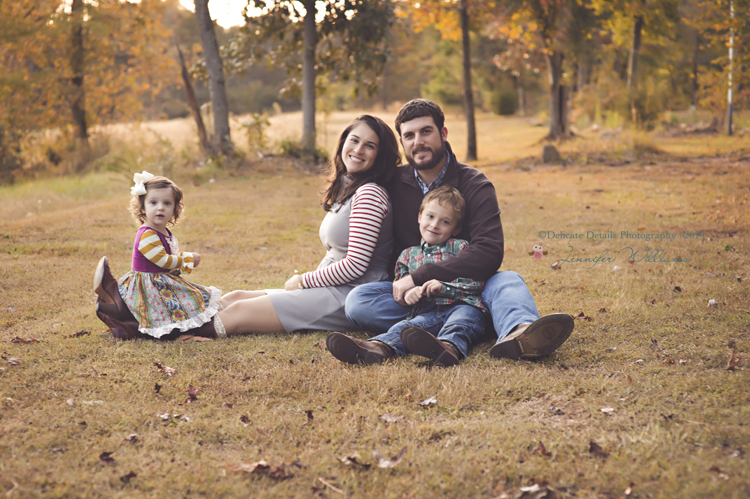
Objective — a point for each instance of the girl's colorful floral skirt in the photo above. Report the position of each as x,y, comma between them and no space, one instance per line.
162,302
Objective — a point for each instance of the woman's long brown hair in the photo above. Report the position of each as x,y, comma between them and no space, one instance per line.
382,171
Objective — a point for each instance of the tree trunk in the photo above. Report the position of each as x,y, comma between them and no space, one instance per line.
518,86
694,86
193,103
216,87
77,93
308,78
471,130
558,113
635,52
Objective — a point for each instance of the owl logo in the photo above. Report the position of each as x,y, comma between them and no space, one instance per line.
537,251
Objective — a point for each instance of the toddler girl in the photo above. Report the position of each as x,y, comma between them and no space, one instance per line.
153,299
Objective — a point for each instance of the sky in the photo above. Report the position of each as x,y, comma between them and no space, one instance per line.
225,12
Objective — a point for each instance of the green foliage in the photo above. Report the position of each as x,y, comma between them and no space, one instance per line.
255,129
350,41
504,101
293,149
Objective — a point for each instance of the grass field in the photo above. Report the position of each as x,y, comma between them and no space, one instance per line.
638,403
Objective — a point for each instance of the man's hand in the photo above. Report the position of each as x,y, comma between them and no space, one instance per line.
433,287
412,296
293,283
196,259
400,288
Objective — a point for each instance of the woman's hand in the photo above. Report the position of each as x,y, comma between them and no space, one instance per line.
433,287
293,283
413,295
196,259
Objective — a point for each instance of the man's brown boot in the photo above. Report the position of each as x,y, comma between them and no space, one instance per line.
354,351
422,343
535,340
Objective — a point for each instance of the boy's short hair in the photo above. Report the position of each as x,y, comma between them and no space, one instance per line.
447,197
417,108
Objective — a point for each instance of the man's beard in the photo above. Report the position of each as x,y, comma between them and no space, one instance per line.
437,157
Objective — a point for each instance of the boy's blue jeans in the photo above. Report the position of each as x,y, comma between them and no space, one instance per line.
460,324
371,306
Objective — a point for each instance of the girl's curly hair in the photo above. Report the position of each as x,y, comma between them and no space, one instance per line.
137,203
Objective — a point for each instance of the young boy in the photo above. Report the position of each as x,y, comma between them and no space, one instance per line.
446,317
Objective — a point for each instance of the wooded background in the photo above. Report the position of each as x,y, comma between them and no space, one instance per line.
70,65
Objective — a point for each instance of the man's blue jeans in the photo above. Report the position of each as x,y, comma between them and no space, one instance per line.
460,324
372,308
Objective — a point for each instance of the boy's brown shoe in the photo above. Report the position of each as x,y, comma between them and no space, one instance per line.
354,351
422,343
535,340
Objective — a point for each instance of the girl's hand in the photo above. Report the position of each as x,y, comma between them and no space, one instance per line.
293,283
413,295
196,259
433,287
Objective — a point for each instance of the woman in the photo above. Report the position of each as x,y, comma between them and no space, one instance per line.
356,231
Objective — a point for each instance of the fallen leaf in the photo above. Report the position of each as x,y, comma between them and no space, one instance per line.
71,402
165,369
354,459
157,387
128,477
391,419
596,450
106,457
541,450
24,341
78,334
582,316
330,486
713,303
192,394
556,411
677,289
630,380
428,402
279,473
556,265
719,472
189,338
607,410
164,416
245,420
13,361
389,463
602,310
641,228
132,438
256,467
734,359
407,397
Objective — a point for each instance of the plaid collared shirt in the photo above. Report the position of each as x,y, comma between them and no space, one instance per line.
438,180
461,289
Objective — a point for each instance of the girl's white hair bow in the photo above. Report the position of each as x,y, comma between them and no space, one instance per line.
140,179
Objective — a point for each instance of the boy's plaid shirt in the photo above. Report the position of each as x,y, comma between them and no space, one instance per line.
461,289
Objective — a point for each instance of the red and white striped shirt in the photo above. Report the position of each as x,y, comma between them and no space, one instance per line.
369,208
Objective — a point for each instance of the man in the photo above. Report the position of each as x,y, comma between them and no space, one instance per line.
375,307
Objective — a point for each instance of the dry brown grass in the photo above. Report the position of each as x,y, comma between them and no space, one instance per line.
656,356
